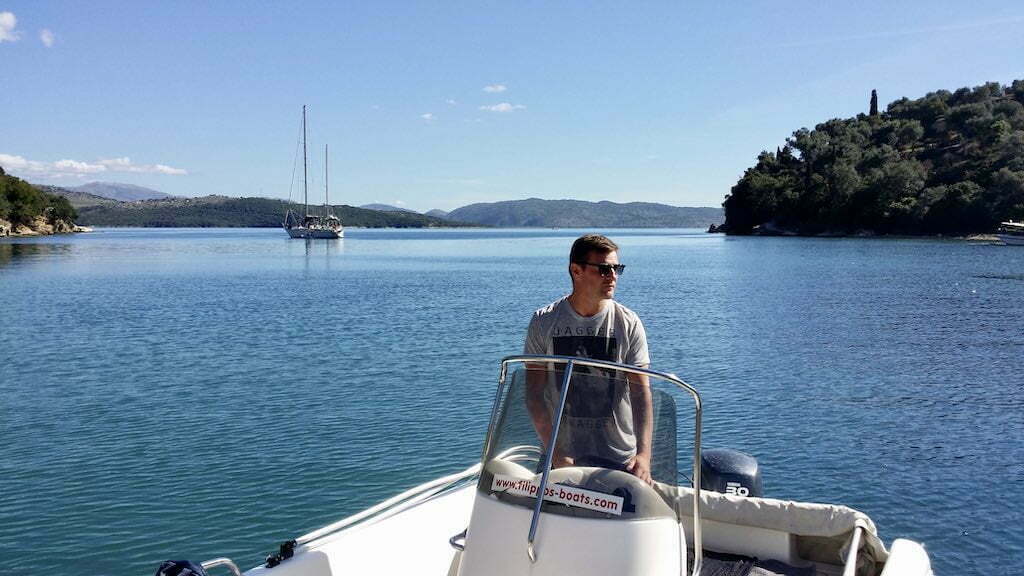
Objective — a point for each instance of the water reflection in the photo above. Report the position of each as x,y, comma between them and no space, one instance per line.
11,251
318,249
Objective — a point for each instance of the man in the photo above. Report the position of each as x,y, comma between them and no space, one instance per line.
603,425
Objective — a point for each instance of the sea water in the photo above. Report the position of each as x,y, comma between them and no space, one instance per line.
205,393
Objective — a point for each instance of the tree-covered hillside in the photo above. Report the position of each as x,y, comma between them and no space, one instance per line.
222,211
535,212
947,163
21,203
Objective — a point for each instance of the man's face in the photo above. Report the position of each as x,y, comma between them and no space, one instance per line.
588,277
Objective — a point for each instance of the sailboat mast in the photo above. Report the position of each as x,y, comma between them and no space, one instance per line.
305,186
326,181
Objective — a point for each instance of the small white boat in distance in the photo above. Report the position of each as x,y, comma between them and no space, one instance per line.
320,222
514,514
1011,233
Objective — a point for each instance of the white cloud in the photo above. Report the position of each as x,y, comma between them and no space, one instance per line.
67,168
122,162
8,23
503,107
76,167
495,88
47,37
428,117
165,169
13,162
397,203
450,102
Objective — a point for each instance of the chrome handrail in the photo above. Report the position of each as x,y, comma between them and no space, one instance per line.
850,566
221,562
411,497
401,502
570,361
548,459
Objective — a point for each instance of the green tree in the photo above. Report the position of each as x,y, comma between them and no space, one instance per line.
950,162
5,206
1005,197
60,209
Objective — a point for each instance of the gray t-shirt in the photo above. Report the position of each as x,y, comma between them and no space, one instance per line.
599,420
614,334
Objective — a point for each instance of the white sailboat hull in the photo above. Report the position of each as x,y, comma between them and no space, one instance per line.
315,233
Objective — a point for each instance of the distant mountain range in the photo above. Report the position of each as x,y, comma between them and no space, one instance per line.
222,211
118,191
105,204
386,208
78,199
535,212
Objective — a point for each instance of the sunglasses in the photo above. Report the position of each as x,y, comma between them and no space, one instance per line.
606,269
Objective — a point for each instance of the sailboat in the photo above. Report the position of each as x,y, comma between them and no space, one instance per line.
323,224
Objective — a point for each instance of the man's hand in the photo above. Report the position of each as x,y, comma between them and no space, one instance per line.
560,461
640,466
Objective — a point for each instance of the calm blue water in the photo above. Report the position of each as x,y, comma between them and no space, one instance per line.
204,393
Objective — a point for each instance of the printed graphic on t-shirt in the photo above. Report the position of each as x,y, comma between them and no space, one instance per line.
590,396
593,347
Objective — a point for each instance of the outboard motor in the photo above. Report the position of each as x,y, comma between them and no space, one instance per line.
730,472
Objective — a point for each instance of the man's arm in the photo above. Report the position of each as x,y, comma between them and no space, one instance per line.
536,377
643,426
536,380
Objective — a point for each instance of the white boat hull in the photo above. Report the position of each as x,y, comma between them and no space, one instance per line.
488,520
413,542
1011,239
416,542
315,233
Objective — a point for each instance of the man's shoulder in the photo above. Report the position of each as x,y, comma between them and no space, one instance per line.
547,311
625,312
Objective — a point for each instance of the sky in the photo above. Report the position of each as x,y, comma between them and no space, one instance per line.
443,104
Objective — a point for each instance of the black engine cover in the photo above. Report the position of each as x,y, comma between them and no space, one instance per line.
730,472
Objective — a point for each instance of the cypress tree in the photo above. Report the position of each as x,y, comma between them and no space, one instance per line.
874,104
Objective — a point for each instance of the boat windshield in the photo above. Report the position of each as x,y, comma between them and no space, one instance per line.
598,416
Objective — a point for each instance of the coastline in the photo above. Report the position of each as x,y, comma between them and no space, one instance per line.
771,231
40,227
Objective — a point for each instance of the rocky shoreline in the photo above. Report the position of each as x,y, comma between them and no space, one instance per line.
40,227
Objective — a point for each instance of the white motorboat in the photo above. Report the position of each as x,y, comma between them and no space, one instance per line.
594,518
315,223
1011,233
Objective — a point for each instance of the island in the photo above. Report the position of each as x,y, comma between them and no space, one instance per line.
28,211
950,163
